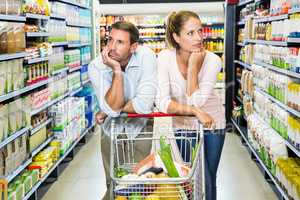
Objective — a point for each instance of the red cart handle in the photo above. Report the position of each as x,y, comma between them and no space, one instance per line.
151,115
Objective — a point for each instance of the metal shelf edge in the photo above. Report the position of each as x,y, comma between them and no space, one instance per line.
47,105
14,18
277,69
262,164
4,57
41,146
60,71
9,178
294,149
37,128
36,16
14,136
37,185
283,106
37,60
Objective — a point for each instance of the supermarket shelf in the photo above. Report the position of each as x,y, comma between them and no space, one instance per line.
295,10
283,106
78,25
35,16
14,136
21,168
277,69
150,25
272,18
274,43
37,185
70,2
288,144
60,71
23,90
247,66
12,18
293,40
261,163
213,38
213,24
79,45
47,105
54,16
72,93
37,60
10,56
153,38
37,34
242,130
245,2
42,125
57,44
74,69
85,82
42,146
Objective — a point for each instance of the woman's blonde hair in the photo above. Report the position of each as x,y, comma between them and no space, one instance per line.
175,22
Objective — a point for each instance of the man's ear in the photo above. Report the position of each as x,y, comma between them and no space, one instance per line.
176,37
133,47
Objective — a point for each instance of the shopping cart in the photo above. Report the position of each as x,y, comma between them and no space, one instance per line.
191,186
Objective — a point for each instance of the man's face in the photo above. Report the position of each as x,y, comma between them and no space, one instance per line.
119,45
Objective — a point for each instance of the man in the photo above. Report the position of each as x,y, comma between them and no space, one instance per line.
124,79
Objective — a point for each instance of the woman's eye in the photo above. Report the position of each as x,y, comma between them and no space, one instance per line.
190,33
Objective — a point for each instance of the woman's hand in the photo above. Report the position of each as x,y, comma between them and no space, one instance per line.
204,118
100,117
196,60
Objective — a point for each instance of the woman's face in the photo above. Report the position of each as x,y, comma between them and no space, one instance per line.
190,37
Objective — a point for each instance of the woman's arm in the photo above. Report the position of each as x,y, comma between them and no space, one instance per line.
206,84
194,66
164,101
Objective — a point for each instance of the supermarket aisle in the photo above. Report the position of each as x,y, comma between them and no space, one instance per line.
82,179
239,178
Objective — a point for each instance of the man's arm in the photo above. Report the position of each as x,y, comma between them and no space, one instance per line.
128,108
115,94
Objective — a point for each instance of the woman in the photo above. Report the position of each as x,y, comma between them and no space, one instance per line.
187,74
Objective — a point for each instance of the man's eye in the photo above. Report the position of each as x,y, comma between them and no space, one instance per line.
190,33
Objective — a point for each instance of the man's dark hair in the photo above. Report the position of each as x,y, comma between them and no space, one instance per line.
128,27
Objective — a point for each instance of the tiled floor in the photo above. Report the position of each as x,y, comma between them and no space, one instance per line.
238,178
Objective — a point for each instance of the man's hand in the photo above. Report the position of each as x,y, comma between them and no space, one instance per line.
196,60
100,117
115,65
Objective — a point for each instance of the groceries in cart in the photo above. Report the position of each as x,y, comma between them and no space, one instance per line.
151,178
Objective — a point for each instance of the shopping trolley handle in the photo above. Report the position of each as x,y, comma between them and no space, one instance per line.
150,115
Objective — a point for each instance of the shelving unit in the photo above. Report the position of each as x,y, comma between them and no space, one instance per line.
233,63
7,98
12,18
34,189
11,56
37,34
23,90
